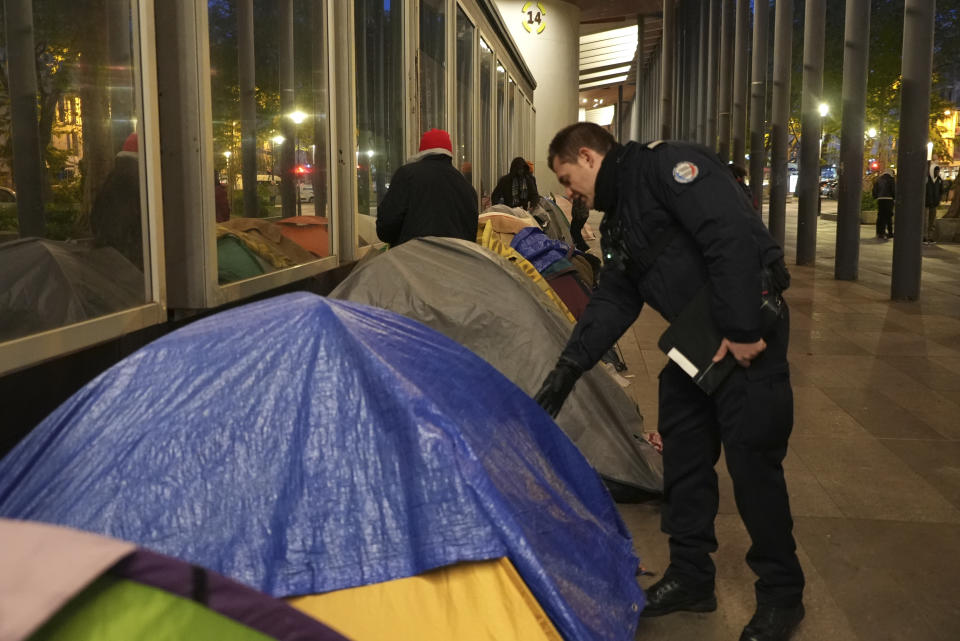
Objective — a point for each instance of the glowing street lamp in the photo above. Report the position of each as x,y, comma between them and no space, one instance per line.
297,117
824,109
278,139
872,132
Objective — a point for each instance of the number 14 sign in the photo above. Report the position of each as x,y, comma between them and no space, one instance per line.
533,13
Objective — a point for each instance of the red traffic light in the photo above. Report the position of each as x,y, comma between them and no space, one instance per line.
300,170
874,166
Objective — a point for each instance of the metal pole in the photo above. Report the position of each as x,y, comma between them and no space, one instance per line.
758,100
703,84
248,107
918,25
692,38
808,184
666,77
683,71
855,69
25,136
640,95
727,31
780,119
619,113
288,158
713,58
740,80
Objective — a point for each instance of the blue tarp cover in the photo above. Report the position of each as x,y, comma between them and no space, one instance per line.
302,445
535,246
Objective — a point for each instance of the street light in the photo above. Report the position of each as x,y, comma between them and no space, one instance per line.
297,117
872,132
824,109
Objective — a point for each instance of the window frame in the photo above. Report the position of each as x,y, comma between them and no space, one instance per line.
33,349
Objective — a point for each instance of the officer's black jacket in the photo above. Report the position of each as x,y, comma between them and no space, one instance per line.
645,191
428,197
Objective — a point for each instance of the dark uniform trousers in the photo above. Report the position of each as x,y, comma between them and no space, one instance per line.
751,415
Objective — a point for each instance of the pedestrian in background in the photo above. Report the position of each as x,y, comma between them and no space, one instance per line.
885,192
933,197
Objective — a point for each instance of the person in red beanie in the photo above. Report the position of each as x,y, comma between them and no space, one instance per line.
115,215
428,196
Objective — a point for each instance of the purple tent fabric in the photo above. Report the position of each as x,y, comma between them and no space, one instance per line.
540,250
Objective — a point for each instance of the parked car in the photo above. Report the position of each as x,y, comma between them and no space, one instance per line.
828,189
306,192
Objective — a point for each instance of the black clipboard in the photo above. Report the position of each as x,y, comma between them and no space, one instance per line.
692,340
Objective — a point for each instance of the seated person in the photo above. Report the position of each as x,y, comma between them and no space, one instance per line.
518,188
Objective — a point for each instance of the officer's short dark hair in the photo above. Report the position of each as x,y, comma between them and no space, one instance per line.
568,141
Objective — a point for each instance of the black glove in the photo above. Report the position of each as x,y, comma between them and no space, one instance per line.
557,386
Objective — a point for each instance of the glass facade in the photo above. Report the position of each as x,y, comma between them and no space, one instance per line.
380,92
433,65
486,123
239,99
74,242
466,33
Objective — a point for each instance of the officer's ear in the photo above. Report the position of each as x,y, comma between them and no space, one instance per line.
587,155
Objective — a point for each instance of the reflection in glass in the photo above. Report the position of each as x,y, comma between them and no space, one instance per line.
379,54
71,221
465,34
511,150
433,64
270,140
503,130
486,134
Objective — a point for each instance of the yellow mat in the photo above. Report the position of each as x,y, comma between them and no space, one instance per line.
480,601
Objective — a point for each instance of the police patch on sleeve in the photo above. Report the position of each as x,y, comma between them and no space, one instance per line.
685,172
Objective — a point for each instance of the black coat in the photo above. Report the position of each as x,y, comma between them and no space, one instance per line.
503,193
934,193
428,197
885,187
715,234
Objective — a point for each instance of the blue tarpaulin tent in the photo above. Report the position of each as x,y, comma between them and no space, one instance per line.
302,445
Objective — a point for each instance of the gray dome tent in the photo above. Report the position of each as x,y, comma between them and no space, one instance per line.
478,299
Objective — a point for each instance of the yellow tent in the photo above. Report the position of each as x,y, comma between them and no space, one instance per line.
479,601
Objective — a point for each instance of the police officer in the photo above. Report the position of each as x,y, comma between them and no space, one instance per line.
675,221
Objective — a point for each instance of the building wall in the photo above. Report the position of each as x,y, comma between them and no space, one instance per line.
553,58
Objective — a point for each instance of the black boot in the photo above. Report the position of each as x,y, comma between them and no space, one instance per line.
671,594
772,623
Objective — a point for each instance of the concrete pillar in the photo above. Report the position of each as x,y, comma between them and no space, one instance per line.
725,94
780,119
666,70
758,100
741,76
918,25
855,69
808,184
553,58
